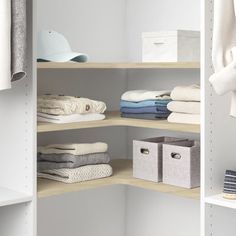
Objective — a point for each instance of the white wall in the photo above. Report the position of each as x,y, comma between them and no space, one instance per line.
152,213
99,212
93,27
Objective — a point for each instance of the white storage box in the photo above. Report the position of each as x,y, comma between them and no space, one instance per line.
147,157
171,46
181,164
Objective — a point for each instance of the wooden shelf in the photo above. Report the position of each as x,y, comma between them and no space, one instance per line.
122,174
218,200
9,197
114,119
122,65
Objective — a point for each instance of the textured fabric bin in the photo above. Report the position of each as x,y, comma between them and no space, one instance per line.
181,164
171,46
147,157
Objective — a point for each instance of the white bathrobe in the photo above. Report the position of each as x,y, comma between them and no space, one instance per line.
224,50
5,44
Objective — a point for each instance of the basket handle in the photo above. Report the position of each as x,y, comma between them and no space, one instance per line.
144,151
176,155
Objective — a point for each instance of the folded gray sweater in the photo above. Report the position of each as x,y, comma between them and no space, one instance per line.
59,161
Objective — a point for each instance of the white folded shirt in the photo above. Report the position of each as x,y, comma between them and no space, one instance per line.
186,93
184,118
143,95
83,173
74,148
64,119
5,44
184,107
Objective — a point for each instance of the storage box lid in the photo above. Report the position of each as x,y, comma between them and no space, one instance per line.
172,33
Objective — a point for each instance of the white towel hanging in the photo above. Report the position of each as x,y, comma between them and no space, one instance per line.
224,50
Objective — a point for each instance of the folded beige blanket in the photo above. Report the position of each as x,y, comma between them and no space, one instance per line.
74,149
184,107
184,118
79,174
67,105
143,95
186,93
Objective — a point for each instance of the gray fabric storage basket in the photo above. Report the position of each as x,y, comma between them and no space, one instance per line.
147,157
181,164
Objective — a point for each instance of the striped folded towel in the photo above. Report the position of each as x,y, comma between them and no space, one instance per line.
230,185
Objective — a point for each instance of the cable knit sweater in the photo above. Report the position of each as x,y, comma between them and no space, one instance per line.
224,50
67,105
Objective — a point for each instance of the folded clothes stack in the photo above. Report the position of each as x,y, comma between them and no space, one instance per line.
185,106
72,163
144,104
66,109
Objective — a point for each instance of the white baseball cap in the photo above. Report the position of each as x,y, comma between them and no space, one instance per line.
53,46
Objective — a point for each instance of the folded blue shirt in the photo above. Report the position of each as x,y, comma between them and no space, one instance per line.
145,116
147,103
143,110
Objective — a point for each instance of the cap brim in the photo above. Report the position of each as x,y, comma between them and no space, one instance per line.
65,57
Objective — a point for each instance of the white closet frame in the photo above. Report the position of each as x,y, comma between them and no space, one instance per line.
18,196
217,142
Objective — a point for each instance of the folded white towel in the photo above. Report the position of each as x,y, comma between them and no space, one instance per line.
74,148
142,95
79,174
184,118
184,107
67,105
42,117
186,93
5,44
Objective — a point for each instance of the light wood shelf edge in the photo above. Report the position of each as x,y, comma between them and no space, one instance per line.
122,176
119,65
114,119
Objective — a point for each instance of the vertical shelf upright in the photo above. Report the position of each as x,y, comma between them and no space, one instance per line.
218,142
18,149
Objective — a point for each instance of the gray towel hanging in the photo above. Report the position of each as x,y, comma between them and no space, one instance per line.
18,39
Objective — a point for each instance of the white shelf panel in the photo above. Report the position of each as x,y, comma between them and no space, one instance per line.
218,200
9,197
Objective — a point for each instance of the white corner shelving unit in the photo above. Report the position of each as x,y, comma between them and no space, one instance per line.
120,205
